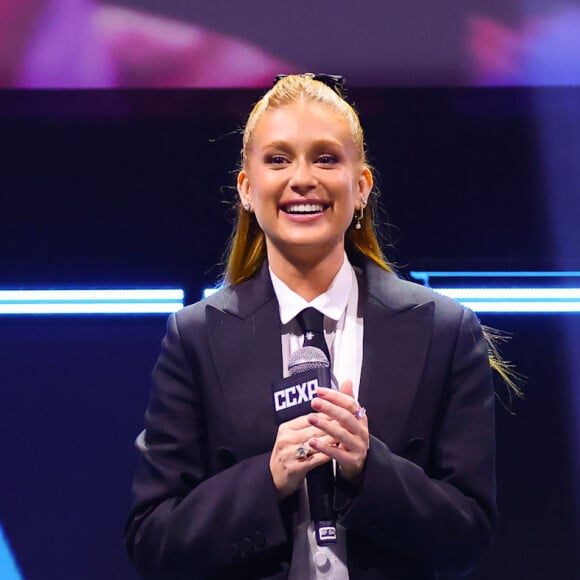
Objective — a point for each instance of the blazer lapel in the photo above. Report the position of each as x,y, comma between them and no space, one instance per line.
397,332
244,336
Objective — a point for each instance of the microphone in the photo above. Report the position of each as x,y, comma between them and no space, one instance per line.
305,359
309,369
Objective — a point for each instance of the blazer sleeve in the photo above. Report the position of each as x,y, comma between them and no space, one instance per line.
188,522
441,514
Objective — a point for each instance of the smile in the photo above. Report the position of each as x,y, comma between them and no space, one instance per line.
304,208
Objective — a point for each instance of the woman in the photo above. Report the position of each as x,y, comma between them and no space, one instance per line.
220,488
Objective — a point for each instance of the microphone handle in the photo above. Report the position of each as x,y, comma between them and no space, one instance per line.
320,483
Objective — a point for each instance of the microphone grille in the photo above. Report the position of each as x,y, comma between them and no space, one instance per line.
305,359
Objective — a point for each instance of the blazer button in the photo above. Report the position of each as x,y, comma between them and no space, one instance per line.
321,562
259,540
246,546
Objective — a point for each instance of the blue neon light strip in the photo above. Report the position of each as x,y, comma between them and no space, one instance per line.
516,299
510,298
497,274
425,276
109,301
8,567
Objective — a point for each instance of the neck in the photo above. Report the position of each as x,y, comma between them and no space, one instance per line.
308,278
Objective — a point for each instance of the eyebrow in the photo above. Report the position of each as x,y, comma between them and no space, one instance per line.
319,143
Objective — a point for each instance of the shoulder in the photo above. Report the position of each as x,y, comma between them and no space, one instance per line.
238,300
390,294
399,294
196,313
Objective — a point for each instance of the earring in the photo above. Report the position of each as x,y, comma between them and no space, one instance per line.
247,205
358,218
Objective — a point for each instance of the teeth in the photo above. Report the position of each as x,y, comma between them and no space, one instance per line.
305,208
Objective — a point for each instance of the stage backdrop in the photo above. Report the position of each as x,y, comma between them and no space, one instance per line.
171,43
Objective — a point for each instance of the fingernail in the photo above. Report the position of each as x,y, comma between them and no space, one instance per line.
322,391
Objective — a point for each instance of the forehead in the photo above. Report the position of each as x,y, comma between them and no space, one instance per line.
301,123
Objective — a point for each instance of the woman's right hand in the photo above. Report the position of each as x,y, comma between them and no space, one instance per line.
289,471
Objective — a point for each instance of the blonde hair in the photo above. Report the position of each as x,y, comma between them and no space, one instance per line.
247,248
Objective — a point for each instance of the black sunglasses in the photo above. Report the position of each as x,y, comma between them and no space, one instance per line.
335,82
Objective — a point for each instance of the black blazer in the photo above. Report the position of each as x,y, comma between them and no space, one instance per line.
205,501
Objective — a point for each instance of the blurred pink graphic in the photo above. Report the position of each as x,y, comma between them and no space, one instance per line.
83,44
543,49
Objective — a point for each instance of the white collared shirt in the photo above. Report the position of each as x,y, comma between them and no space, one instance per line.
343,330
343,325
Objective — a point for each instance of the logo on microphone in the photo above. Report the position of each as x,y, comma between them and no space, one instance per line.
295,395
327,533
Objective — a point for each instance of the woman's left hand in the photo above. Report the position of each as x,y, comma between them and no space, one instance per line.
336,417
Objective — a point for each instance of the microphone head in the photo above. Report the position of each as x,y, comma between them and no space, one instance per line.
306,359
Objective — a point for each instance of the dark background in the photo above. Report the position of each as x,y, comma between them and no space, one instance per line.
131,188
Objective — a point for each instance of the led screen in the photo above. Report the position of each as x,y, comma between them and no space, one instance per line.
177,43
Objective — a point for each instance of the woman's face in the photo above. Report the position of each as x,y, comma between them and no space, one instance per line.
304,179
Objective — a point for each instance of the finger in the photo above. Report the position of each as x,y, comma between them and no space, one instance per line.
314,459
339,398
332,451
326,439
289,470
344,416
346,388
345,400
295,424
357,441
297,467
293,434
350,464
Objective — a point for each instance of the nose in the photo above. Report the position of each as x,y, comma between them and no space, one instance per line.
302,179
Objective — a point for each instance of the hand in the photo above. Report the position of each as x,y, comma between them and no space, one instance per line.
288,471
348,436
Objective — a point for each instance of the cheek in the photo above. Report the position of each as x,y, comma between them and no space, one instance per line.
266,192
350,194
262,197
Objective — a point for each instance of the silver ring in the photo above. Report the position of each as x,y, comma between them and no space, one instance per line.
360,413
303,451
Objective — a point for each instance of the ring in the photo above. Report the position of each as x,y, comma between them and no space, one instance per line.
303,451
360,413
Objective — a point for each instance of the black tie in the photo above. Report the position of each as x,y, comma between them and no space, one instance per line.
311,322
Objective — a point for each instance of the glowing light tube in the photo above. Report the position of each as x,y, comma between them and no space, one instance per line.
481,297
91,301
8,566
427,276
516,299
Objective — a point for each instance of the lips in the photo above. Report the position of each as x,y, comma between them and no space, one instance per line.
303,208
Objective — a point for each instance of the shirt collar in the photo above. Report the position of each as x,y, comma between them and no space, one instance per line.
331,303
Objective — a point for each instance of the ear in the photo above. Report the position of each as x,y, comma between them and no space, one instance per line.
365,185
243,186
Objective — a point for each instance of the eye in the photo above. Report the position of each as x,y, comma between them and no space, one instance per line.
276,159
327,159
